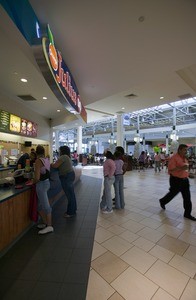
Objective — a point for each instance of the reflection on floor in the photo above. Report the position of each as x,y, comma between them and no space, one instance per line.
144,252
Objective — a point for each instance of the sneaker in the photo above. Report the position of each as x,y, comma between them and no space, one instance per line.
46,230
107,211
41,226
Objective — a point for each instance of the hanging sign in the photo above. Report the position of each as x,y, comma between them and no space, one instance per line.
58,76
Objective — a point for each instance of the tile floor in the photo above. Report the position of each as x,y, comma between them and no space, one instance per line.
144,252
55,266
138,253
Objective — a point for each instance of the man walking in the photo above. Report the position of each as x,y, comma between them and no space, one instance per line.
178,170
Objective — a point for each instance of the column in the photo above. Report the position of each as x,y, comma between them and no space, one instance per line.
79,140
120,131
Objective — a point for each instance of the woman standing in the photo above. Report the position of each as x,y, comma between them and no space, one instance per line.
67,177
119,181
108,172
42,174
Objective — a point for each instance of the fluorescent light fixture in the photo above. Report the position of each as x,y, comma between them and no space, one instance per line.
161,97
58,110
23,80
44,98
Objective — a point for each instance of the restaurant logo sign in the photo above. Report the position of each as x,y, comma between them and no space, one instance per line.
63,76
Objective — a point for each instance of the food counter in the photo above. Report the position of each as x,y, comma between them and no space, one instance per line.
15,205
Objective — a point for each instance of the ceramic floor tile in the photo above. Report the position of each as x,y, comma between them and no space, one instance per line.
132,226
190,291
98,288
102,235
162,295
104,223
170,230
133,285
129,236
184,265
190,254
97,250
151,223
138,259
188,238
168,278
116,229
117,245
109,266
135,216
116,296
172,244
162,253
143,244
150,234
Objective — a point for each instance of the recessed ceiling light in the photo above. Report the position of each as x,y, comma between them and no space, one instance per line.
45,98
122,108
161,97
58,110
23,80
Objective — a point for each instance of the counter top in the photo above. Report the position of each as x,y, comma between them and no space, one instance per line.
7,168
9,192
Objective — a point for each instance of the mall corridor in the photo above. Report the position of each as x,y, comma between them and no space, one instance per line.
144,252
139,253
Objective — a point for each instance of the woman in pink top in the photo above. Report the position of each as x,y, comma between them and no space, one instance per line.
42,174
108,172
179,182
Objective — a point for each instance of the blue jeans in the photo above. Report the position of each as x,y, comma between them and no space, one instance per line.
42,188
67,182
119,192
106,202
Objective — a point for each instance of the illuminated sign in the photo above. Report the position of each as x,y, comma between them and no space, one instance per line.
15,123
63,76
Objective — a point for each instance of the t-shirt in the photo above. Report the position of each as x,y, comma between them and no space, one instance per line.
109,167
66,166
119,166
178,161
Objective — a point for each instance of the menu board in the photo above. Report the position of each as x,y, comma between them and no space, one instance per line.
23,126
4,120
15,123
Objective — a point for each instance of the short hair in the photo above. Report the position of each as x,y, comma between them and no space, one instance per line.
109,155
40,150
120,149
182,146
65,150
117,154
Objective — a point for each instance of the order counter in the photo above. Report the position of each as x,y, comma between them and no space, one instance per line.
15,208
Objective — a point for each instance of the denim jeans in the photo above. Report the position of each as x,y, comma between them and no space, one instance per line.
119,192
67,182
42,188
106,202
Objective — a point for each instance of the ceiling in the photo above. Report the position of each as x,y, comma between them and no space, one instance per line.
123,54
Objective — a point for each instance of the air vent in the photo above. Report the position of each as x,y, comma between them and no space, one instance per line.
130,96
27,97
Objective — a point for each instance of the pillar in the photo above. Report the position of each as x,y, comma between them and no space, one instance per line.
120,131
79,140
